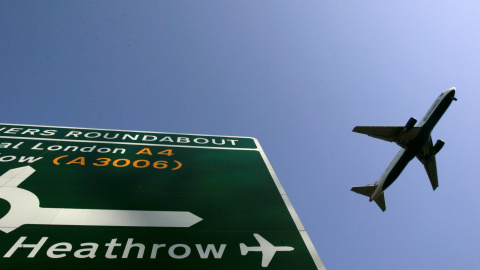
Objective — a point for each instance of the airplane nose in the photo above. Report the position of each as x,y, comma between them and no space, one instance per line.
452,94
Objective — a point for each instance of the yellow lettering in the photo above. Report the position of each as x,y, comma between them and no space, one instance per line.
144,151
104,162
135,163
55,161
79,160
179,165
160,164
167,152
115,163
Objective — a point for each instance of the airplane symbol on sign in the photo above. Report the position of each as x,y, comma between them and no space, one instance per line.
268,250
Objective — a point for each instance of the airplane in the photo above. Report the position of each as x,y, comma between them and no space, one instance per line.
268,250
416,141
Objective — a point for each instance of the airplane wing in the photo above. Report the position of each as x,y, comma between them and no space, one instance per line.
388,133
268,250
429,163
385,133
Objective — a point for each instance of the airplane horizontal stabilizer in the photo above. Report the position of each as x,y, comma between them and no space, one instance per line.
365,190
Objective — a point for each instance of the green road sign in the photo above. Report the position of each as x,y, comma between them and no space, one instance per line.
75,198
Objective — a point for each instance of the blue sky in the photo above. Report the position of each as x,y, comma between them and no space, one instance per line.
296,75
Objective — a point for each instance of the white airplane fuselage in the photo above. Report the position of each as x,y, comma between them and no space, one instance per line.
415,146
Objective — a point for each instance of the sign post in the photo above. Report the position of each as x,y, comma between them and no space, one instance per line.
81,198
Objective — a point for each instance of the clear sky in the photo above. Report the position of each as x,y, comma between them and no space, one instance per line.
297,75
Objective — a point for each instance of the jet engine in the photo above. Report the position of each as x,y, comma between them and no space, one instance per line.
411,122
437,147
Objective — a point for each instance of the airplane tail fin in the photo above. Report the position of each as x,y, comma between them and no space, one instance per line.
380,200
243,249
368,191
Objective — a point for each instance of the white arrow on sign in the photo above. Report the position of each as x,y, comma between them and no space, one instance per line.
25,209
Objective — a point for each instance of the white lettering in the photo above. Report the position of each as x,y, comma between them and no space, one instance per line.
17,145
197,140
54,147
171,251
67,247
36,147
122,150
71,148
91,251
92,135
5,145
183,140
111,246
149,138
166,139
106,136
7,158
129,245
29,159
19,244
13,130
130,137
222,143
31,131
154,250
233,141
74,134
87,149
50,132
210,248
